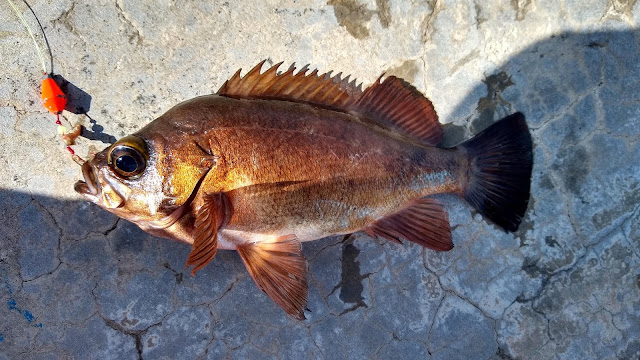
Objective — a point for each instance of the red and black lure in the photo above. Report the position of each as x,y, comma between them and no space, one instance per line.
53,98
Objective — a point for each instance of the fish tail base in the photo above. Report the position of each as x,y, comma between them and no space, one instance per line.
500,164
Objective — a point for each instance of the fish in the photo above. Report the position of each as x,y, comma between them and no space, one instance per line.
278,158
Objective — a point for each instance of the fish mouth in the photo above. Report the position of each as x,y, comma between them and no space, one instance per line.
89,187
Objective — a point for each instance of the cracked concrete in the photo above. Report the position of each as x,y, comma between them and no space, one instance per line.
76,282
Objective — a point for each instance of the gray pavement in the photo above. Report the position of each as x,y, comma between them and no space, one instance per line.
76,282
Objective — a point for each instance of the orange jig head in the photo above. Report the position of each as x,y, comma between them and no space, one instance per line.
53,98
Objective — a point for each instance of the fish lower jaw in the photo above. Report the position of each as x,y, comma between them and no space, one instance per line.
83,189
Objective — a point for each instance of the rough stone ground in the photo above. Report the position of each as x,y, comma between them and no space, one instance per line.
75,282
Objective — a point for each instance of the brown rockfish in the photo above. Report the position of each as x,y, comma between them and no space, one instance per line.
273,160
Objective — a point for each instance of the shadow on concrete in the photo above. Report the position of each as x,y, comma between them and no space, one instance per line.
97,132
79,103
90,255
78,100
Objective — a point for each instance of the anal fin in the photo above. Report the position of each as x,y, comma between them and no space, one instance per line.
424,222
280,270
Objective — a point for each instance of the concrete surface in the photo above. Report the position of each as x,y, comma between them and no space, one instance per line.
75,282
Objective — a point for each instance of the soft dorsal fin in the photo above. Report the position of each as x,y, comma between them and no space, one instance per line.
397,104
394,103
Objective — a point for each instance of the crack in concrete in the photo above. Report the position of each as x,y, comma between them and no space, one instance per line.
313,340
479,19
338,242
566,109
631,246
135,36
603,308
452,291
430,350
428,27
555,276
64,19
620,10
43,275
136,334
55,223
394,337
425,81
229,289
259,346
57,250
113,227
214,322
491,320
176,274
522,7
548,273
353,308
445,291
502,354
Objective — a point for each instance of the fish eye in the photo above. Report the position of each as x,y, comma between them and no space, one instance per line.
128,157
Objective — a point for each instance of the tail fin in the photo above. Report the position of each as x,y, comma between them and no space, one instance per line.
500,160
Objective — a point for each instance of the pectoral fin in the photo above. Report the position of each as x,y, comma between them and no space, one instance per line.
280,270
424,222
209,217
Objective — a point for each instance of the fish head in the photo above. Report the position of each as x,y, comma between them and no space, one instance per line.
124,180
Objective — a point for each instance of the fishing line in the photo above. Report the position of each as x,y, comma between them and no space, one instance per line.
24,22
53,98
44,35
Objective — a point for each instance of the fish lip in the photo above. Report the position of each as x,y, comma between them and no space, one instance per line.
90,186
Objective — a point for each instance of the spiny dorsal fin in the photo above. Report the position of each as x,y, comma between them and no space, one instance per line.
323,90
394,103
